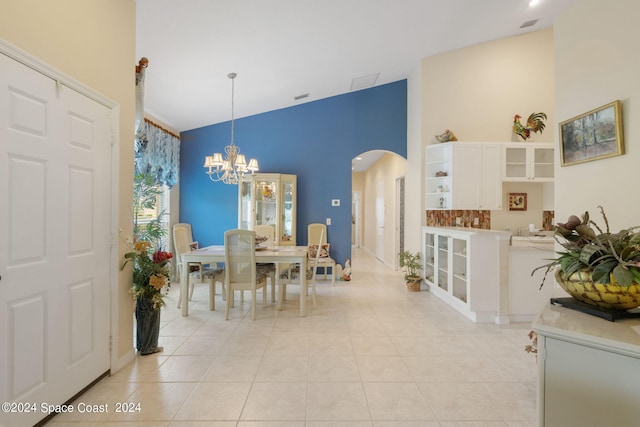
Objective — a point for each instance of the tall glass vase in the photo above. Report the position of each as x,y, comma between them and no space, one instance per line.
147,326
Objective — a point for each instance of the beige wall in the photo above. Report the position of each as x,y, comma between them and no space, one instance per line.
94,43
476,91
597,62
414,211
387,169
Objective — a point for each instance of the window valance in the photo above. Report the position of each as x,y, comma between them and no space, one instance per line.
157,152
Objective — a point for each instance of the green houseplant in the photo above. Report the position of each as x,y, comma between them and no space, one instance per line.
597,267
150,264
412,264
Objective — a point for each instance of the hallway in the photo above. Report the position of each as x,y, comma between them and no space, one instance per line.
371,354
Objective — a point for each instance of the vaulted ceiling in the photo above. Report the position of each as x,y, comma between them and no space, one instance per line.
284,49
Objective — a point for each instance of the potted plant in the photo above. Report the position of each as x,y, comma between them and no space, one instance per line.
412,264
151,269
597,267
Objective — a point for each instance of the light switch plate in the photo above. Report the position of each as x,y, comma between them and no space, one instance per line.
328,221
335,202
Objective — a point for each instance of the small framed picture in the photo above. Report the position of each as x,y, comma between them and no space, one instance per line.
517,201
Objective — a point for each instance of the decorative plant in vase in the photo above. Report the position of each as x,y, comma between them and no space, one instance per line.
151,265
412,264
597,267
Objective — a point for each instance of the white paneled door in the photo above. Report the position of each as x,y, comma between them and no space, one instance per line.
55,222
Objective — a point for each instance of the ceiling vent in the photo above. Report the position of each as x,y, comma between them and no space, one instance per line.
364,81
529,23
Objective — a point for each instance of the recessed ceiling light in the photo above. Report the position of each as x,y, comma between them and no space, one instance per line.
358,158
534,3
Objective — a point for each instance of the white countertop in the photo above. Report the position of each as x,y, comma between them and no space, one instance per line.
470,230
621,336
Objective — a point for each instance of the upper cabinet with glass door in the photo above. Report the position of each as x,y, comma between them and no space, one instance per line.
528,162
269,199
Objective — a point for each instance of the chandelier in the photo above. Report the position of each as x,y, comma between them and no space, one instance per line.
233,166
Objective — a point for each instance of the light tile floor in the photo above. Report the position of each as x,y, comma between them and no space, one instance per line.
371,354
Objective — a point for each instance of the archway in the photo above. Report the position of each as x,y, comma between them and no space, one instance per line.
377,203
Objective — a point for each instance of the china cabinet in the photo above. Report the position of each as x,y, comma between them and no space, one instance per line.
528,162
463,175
462,267
269,199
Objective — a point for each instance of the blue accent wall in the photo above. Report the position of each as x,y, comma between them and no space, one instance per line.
315,141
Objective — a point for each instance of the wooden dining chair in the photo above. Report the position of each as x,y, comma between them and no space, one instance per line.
240,269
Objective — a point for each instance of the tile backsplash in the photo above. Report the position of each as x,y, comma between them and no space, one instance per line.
547,220
459,218
466,218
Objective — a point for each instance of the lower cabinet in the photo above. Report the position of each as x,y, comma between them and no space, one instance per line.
588,370
462,267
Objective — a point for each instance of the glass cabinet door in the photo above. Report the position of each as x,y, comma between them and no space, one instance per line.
443,262
543,163
245,207
429,257
516,162
266,199
288,209
460,269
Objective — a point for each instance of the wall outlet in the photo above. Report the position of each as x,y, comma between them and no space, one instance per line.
335,202
476,221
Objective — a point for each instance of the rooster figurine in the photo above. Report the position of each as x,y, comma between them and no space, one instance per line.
535,123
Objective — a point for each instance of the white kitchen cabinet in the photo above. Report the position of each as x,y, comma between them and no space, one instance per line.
463,175
462,267
526,298
528,162
491,182
269,199
587,369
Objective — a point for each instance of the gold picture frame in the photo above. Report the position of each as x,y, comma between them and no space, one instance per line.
594,135
517,201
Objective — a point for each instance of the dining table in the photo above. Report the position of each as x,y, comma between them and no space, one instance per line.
275,254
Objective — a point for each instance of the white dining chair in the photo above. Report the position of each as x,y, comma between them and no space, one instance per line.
182,241
240,269
318,232
266,234
291,276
